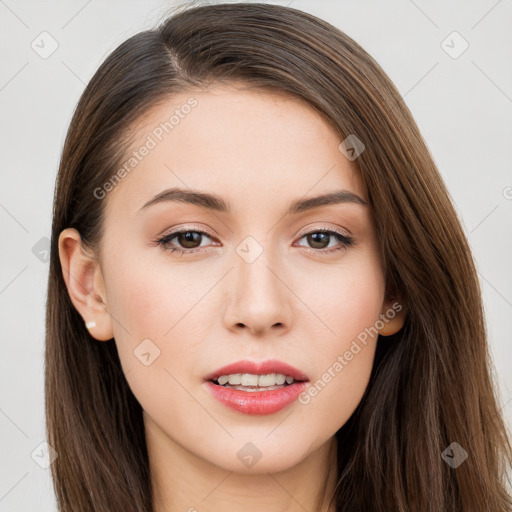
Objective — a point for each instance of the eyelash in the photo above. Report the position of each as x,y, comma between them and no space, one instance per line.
164,241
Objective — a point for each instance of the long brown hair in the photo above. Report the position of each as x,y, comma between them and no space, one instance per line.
432,382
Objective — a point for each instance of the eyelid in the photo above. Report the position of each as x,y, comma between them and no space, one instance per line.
314,229
186,227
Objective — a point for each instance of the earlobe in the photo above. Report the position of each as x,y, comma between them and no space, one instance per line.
84,281
394,312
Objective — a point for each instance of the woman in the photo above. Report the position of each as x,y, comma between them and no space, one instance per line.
260,295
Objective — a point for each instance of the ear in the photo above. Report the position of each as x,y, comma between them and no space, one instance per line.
393,314
84,281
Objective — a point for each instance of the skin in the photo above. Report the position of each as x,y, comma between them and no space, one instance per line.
259,152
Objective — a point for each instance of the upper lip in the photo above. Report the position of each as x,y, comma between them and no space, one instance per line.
258,368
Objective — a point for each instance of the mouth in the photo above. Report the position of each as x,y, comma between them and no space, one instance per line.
252,375
256,388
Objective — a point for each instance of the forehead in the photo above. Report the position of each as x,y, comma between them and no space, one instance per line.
237,142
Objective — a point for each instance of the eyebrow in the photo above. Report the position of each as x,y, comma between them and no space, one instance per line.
216,203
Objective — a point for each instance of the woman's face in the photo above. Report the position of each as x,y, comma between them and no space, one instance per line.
255,281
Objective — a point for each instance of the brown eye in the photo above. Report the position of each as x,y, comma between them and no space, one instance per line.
188,241
320,239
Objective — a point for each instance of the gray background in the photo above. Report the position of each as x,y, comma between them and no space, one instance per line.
462,104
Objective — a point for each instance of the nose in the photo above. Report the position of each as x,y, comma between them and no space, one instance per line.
258,296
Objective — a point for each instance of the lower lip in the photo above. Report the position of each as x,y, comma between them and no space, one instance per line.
257,402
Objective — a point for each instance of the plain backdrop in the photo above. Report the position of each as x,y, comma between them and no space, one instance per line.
457,85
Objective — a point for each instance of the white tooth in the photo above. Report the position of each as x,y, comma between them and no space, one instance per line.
235,379
248,380
267,380
280,378
253,389
223,379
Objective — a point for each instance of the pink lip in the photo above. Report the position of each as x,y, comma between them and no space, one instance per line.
258,368
257,402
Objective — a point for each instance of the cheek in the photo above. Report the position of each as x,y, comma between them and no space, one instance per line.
149,297
158,318
345,299
349,303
